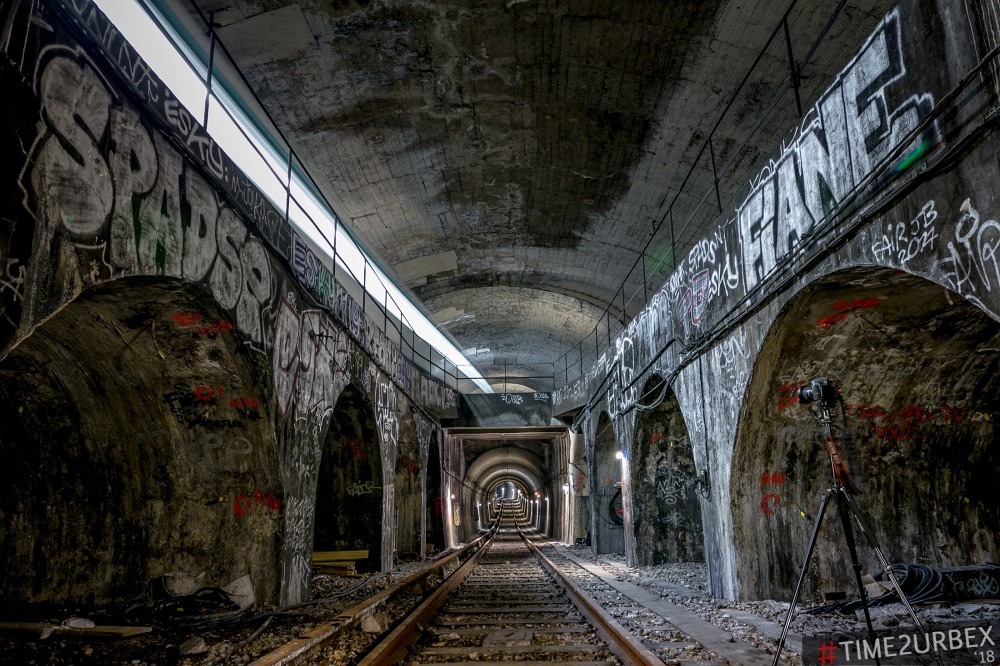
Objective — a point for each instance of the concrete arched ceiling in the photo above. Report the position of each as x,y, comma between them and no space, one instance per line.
508,159
495,464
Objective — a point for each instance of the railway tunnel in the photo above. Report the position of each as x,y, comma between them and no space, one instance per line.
301,291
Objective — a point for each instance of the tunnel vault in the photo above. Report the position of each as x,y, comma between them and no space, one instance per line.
135,444
918,369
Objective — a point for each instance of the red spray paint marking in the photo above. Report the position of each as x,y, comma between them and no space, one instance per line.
354,448
770,499
438,506
657,436
245,403
412,467
906,422
203,393
244,503
789,395
843,309
191,319
772,478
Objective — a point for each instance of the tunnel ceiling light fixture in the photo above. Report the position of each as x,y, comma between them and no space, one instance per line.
619,455
173,55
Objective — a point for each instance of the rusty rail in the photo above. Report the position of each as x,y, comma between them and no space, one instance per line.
389,650
621,642
310,642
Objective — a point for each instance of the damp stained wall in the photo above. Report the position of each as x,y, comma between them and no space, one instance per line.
892,166
111,185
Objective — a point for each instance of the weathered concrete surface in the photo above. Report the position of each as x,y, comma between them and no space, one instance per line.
840,194
539,141
918,369
668,526
134,446
109,186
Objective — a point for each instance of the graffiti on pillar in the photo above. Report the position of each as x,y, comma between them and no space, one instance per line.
308,361
386,411
12,273
732,358
622,388
972,265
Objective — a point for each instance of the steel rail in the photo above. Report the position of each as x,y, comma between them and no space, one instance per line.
390,649
307,644
619,639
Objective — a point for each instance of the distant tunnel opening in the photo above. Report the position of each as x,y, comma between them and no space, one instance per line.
606,491
665,494
135,442
349,489
918,369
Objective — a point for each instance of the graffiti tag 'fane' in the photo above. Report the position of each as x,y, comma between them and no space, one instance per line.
839,141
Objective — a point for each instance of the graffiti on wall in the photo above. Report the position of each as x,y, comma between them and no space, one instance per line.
902,241
857,121
308,360
843,136
133,196
710,268
972,266
267,220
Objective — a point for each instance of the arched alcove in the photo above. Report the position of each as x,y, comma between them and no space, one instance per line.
435,502
917,366
135,442
349,488
606,491
665,493
408,491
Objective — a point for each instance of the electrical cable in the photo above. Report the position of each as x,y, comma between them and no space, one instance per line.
778,279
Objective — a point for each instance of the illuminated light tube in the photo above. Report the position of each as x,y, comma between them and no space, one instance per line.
182,71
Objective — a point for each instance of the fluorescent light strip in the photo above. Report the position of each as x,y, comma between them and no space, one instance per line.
184,74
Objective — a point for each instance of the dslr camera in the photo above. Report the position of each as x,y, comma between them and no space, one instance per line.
819,390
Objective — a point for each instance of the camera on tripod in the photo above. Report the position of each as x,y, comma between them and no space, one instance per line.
819,390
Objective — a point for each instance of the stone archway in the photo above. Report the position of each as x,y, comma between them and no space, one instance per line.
606,491
668,525
917,366
349,489
136,442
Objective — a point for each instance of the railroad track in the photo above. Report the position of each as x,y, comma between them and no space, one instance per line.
508,605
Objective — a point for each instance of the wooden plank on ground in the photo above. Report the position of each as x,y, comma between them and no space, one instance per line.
339,555
104,631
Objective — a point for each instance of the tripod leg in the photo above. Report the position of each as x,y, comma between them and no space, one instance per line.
866,531
802,575
843,508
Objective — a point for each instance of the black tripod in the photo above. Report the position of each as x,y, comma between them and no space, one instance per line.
826,396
